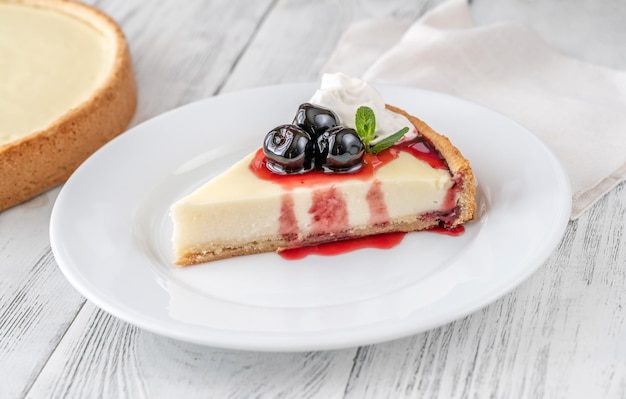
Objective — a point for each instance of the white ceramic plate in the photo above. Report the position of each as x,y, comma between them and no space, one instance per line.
110,233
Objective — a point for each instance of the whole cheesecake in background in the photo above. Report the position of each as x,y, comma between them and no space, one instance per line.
312,193
67,88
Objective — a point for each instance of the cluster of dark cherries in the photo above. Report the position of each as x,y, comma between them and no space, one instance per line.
313,141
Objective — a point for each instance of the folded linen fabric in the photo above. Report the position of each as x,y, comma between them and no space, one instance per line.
577,109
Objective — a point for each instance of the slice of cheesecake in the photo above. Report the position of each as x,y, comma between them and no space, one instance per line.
419,183
66,89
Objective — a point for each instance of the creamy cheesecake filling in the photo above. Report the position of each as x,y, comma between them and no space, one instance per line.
50,62
258,208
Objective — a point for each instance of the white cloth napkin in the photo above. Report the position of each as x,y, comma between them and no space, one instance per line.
577,109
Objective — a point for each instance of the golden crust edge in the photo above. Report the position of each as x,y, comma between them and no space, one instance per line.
46,158
457,163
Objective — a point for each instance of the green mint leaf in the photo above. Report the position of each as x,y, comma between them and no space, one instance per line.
388,141
365,122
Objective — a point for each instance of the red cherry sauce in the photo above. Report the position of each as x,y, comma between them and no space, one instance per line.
377,206
287,222
448,231
381,241
417,147
329,210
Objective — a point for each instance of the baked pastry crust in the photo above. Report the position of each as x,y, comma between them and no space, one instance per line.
459,166
466,207
46,158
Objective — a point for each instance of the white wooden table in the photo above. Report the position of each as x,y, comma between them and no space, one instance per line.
561,334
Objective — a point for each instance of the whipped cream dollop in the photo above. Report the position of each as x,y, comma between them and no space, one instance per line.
344,95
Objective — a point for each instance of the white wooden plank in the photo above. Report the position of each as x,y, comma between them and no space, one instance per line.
37,304
183,52
297,38
103,357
